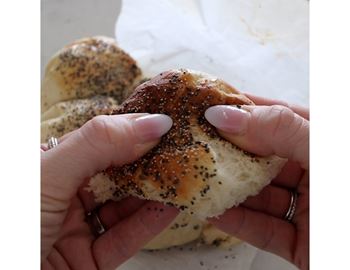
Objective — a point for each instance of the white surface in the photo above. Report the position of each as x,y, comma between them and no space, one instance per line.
259,46
191,257
63,21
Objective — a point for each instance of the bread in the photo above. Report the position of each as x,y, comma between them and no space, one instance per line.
88,67
82,71
67,116
60,116
213,236
192,168
184,228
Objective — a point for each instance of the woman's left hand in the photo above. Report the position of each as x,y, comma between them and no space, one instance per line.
66,239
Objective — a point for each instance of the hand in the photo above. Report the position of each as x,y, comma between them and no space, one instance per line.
268,129
66,240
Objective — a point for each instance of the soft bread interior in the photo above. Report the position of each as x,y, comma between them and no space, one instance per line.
238,175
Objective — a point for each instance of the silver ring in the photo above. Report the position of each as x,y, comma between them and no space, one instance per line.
292,207
95,223
52,142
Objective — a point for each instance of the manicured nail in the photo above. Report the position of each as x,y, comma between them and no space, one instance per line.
227,118
151,127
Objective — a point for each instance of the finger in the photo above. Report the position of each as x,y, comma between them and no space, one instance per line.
303,112
45,147
261,230
113,212
75,240
271,200
102,141
67,135
264,130
124,239
290,175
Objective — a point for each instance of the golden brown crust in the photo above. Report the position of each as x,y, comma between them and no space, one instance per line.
179,167
67,116
107,69
88,67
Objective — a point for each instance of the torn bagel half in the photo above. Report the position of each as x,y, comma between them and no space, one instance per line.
192,167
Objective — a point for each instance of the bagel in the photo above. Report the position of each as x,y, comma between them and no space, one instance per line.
192,168
88,67
186,228
183,229
67,116
213,236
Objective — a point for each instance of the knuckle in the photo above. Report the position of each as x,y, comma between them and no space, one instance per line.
106,134
266,201
285,122
97,128
269,234
237,230
96,134
112,132
111,244
121,246
146,226
283,116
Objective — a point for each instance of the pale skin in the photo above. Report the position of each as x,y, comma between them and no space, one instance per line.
273,127
67,241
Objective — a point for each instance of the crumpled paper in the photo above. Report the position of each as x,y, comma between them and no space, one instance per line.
258,46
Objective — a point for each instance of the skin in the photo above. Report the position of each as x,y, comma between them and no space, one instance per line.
66,239
273,127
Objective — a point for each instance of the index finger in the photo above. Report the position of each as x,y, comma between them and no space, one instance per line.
124,239
303,112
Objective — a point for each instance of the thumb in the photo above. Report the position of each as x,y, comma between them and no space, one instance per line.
264,130
101,142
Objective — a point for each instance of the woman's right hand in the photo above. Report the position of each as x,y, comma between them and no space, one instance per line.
270,127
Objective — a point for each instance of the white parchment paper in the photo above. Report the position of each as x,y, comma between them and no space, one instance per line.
258,46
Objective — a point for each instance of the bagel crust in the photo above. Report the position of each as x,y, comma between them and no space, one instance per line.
89,67
66,116
192,167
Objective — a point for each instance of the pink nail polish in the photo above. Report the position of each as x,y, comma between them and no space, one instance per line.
151,127
228,118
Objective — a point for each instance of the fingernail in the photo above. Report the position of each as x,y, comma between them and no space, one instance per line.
227,118
151,127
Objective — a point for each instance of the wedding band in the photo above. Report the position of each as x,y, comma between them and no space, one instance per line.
292,207
95,223
52,142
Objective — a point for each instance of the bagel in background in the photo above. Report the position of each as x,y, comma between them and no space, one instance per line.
88,67
67,116
192,168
